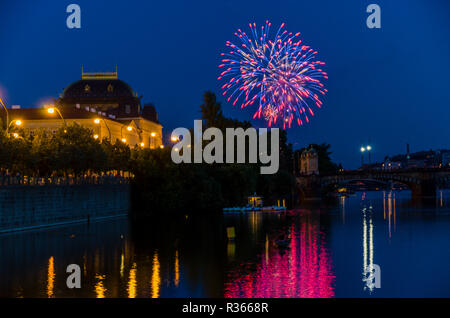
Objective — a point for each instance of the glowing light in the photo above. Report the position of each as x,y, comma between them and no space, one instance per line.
177,269
124,140
132,283
50,277
174,139
97,120
142,144
153,134
18,122
363,149
129,128
100,289
156,278
50,110
16,135
368,148
95,136
162,146
280,76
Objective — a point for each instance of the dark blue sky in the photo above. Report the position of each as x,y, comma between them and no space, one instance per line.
390,85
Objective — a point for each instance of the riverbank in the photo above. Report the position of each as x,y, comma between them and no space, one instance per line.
25,207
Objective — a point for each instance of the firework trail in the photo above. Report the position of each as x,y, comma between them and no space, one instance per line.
279,76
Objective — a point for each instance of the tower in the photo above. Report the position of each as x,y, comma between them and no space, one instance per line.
309,162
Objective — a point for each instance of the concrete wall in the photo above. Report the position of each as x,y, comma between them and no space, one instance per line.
27,207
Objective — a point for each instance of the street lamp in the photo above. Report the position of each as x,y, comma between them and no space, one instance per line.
7,115
16,122
362,155
52,109
97,122
129,128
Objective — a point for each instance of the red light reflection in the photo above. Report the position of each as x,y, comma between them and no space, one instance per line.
304,270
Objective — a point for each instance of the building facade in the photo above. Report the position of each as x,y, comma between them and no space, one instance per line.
104,104
309,162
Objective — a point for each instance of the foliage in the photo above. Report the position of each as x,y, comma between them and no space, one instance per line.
161,185
71,150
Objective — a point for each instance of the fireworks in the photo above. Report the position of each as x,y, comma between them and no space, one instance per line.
279,76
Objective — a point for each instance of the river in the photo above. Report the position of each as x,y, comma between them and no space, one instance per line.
318,250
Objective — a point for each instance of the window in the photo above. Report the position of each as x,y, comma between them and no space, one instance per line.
127,109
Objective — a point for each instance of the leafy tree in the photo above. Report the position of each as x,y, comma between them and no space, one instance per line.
77,151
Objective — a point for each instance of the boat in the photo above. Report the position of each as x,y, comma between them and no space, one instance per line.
254,204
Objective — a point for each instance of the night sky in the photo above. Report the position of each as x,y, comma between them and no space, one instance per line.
389,85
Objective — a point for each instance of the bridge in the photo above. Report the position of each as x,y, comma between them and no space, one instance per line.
421,182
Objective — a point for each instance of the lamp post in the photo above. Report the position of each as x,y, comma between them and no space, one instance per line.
17,122
7,115
97,122
369,148
129,128
362,155
51,110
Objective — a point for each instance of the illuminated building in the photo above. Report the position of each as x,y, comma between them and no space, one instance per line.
101,102
309,162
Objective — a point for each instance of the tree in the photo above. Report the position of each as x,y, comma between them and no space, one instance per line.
77,151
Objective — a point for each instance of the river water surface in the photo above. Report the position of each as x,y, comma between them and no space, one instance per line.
318,250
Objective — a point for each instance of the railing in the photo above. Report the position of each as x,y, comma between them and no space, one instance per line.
10,180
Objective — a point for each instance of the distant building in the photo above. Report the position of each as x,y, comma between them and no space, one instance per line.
417,160
103,103
309,162
445,158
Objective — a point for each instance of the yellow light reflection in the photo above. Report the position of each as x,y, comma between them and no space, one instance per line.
122,264
100,289
132,283
156,278
177,269
231,249
50,277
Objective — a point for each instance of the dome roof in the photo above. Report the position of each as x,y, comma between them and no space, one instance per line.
88,88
